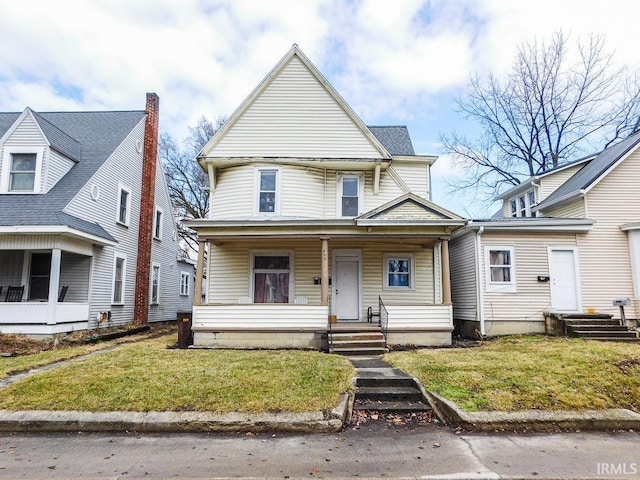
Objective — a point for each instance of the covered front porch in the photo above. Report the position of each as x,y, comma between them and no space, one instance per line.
44,284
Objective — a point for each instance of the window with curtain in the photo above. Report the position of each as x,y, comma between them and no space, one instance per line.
350,190
119,268
155,284
267,193
23,172
398,270
500,269
271,278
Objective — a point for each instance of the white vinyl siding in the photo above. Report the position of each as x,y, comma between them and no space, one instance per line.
574,209
462,258
531,260
550,183
75,273
228,280
57,167
278,123
416,177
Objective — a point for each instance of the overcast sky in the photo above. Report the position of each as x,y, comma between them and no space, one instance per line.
394,61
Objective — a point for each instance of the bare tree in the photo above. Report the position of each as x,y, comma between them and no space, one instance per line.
188,183
543,114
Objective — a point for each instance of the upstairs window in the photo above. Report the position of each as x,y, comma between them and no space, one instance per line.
521,205
157,224
267,191
22,177
124,205
349,194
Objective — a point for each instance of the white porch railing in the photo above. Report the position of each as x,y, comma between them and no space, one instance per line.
420,316
41,313
260,316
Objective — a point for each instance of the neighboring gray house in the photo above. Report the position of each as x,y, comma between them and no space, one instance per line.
71,196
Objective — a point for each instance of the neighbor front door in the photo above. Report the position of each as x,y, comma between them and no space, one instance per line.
346,287
563,277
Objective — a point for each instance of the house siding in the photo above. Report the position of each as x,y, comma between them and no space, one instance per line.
604,252
56,167
124,165
531,260
229,274
572,210
462,260
75,275
11,271
550,183
415,176
278,123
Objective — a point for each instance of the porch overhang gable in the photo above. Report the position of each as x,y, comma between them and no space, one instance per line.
61,230
568,225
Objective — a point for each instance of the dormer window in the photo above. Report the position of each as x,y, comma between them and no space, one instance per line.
20,170
521,205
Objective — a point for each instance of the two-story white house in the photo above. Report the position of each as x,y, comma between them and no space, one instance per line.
72,252
315,215
566,242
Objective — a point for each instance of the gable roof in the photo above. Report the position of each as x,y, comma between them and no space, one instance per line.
89,136
315,122
409,209
591,173
395,138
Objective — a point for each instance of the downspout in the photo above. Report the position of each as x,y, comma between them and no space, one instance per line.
480,296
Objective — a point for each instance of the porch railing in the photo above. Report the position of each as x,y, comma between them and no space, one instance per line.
384,320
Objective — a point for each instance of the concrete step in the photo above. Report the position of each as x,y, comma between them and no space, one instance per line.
590,321
398,407
389,394
600,328
357,351
610,338
356,344
384,382
599,333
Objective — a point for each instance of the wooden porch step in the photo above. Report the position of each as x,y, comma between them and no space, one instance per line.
358,351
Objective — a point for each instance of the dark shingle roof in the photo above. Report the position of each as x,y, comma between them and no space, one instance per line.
394,138
592,171
90,137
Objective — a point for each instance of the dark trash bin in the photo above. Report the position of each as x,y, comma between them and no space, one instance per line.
185,335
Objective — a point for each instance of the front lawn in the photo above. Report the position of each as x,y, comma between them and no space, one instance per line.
147,376
530,372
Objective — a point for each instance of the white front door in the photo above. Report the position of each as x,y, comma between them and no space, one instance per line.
563,277
346,287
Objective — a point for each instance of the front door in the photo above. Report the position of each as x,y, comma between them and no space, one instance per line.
346,286
563,277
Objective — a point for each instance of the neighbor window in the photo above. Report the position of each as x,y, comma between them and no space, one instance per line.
398,271
157,224
271,278
267,191
119,271
349,195
185,279
155,283
22,177
500,269
521,205
124,204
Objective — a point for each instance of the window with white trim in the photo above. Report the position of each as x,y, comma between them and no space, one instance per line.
349,191
271,277
521,205
267,191
399,271
123,214
500,266
185,280
157,223
21,170
155,284
119,275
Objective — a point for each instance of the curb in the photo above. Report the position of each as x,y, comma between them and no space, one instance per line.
533,420
175,422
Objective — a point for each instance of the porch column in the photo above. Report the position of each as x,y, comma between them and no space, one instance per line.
324,272
197,288
446,275
54,285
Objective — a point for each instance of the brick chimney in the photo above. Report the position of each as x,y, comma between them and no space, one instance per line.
147,209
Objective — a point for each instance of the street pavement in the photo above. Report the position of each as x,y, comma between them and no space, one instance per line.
375,449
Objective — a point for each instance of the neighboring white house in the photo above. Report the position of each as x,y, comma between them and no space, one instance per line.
565,241
314,214
70,203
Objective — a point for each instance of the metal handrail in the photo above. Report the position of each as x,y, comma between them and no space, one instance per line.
384,319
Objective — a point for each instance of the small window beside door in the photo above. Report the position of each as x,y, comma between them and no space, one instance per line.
500,266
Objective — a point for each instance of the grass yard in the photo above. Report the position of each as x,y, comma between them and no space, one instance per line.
530,372
147,376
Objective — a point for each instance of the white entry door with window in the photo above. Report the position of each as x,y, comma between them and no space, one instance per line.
564,279
346,285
